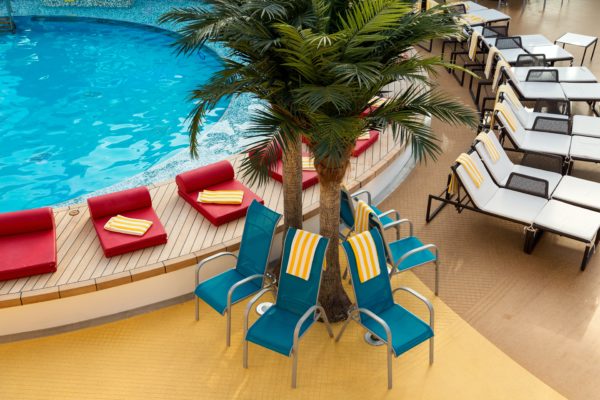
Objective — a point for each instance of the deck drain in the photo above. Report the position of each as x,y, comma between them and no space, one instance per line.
373,340
263,307
73,213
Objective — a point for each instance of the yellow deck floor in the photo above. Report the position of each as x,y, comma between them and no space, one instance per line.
165,354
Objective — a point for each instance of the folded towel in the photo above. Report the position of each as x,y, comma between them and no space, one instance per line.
221,196
489,62
302,253
473,45
506,113
128,226
365,252
361,217
508,92
308,164
470,19
489,146
467,163
500,65
365,136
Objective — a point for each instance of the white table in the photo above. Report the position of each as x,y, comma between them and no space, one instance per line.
511,55
552,52
588,92
526,40
489,15
540,91
565,74
585,125
576,39
472,6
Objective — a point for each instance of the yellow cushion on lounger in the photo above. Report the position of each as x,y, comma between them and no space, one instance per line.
221,196
302,253
365,252
308,164
128,226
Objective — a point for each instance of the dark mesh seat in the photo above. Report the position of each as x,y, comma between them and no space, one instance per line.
511,42
531,60
542,75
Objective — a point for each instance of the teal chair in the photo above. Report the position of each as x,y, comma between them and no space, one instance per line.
347,211
247,273
377,312
408,252
295,310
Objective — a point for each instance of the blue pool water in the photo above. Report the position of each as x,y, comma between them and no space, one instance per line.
85,104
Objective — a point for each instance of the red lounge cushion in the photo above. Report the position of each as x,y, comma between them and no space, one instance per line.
205,177
309,178
219,214
27,243
119,202
114,243
362,145
132,203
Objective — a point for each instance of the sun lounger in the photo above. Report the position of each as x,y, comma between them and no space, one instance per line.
27,243
217,176
132,203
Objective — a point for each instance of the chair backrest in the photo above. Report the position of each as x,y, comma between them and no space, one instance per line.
501,168
376,293
257,238
511,42
295,294
346,208
531,60
496,31
542,75
479,195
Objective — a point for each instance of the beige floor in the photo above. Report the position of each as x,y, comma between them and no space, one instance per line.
167,355
540,309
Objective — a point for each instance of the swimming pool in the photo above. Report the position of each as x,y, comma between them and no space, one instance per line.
87,103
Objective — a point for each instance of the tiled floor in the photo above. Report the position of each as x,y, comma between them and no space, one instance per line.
167,355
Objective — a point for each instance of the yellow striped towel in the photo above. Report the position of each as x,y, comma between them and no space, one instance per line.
221,196
365,253
377,101
510,94
473,45
500,65
308,164
467,162
489,62
128,226
506,113
361,217
365,136
302,253
489,146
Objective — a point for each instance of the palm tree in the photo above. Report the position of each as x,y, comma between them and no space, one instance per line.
318,64
253,67
337,68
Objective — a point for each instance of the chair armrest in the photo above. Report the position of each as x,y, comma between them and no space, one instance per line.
400,222
300,322
238,284
361,192
415,251
422,298
380,321
392,211
251,304
209,259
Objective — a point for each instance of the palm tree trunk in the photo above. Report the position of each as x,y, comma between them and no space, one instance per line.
292,185
332,296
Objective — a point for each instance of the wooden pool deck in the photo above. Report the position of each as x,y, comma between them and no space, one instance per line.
83,268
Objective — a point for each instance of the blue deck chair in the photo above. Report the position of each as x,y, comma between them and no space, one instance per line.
408,252
295,310
347,211
377,312
247,274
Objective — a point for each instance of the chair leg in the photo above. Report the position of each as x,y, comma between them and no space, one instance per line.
294,367
430,351
389,362
228,311
339,335
197,308
326,321
437,277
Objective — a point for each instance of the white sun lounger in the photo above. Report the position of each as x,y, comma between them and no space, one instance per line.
566,188
536,213
527,116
